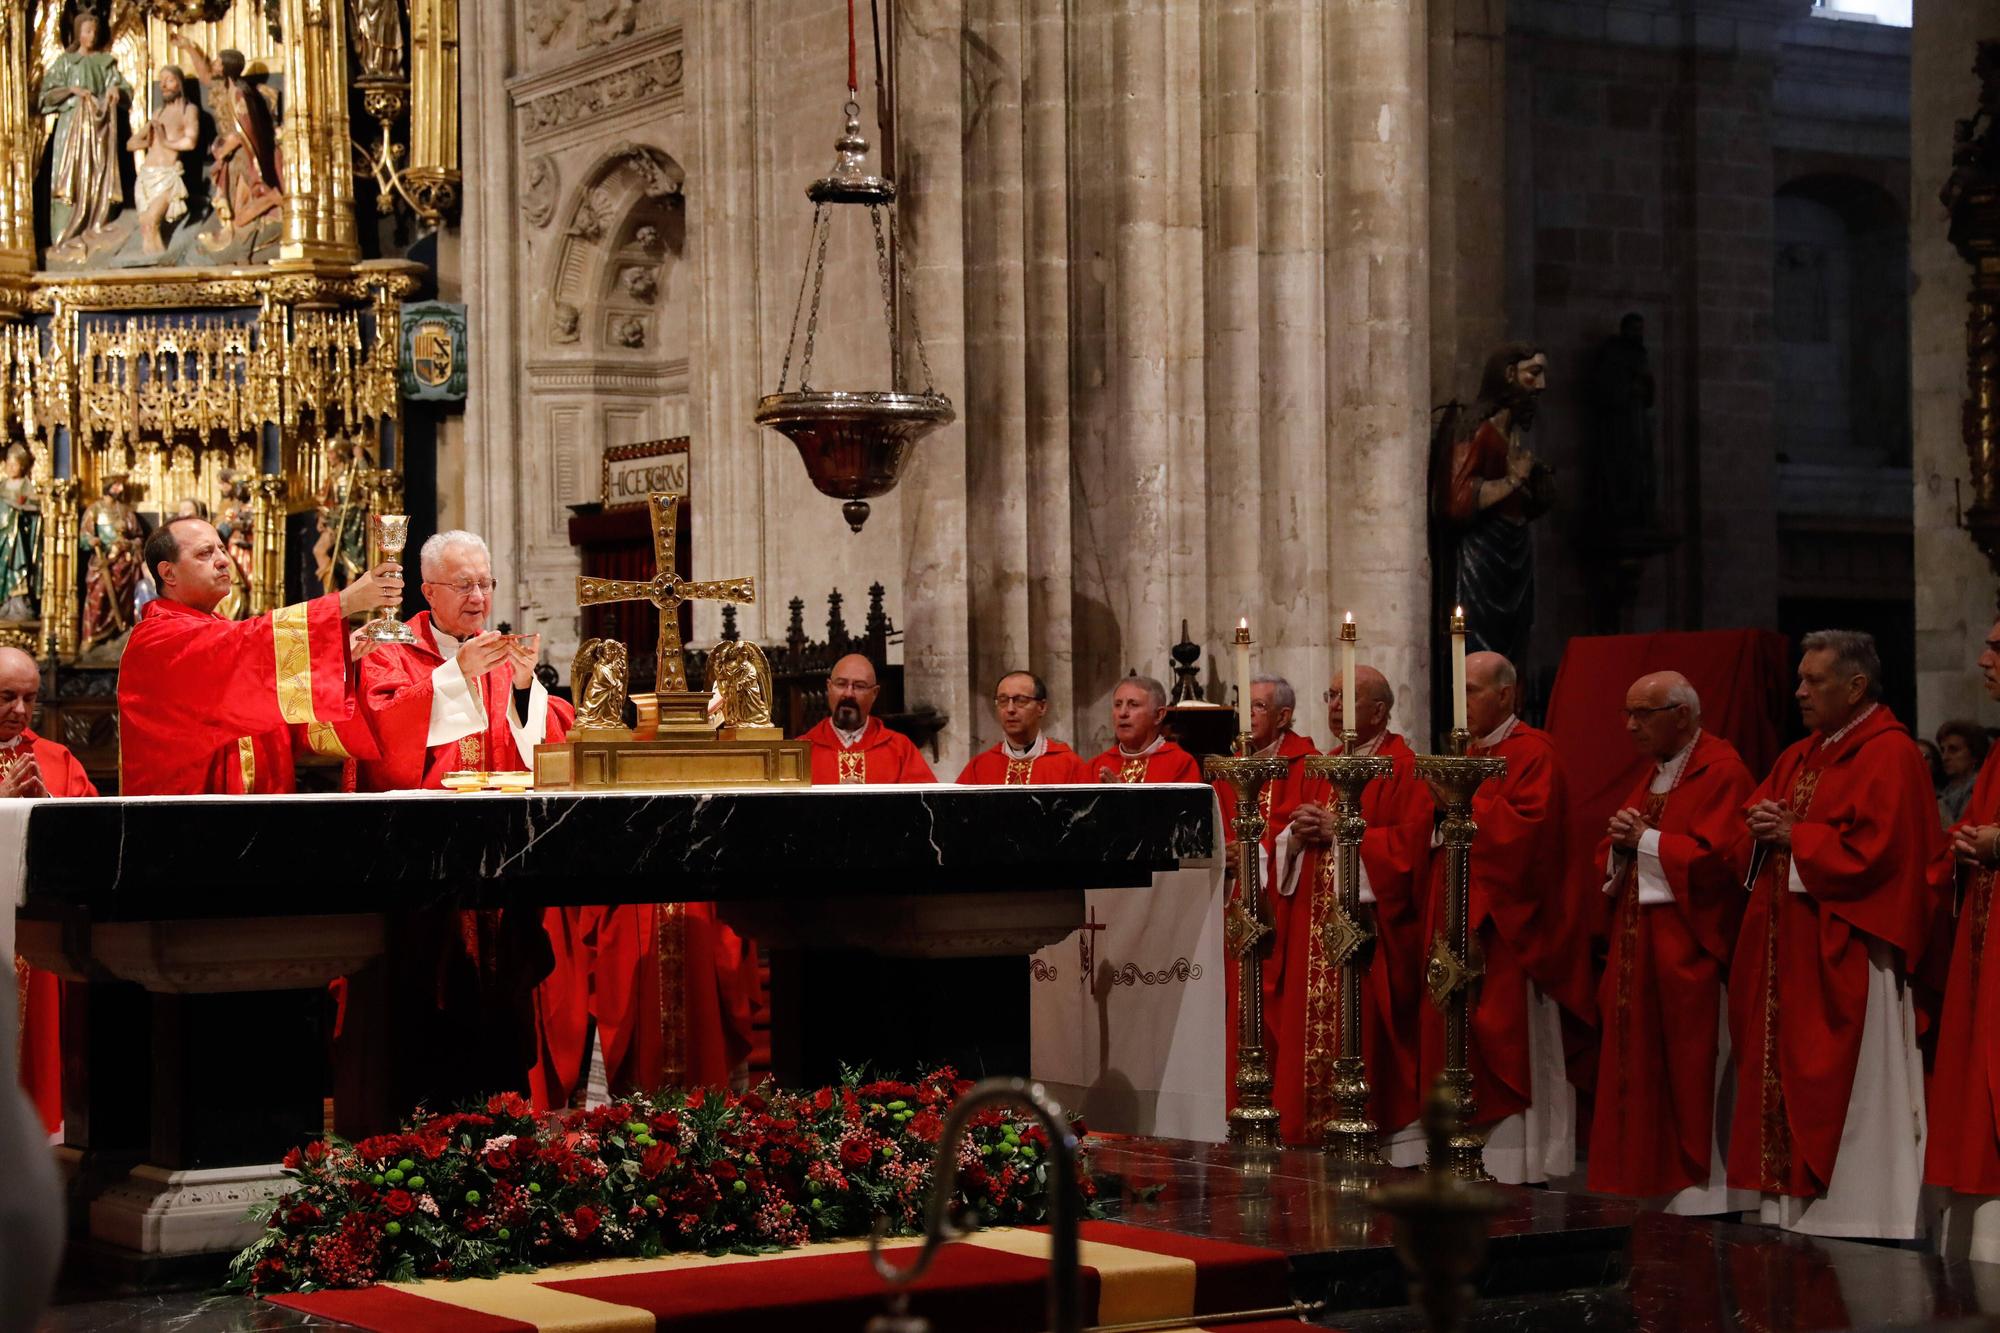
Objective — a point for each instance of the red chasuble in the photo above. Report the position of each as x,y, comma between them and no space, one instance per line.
992,768
1277,799
40,993
1867,829
1964,1148
1169,763
1395,852
881,756
1520,920
210,706
1661,995
396,697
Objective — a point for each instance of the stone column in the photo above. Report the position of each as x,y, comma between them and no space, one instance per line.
318,155
479,460
17,161
1955,584
1377,334
727,353
1295,592
929,157
999,498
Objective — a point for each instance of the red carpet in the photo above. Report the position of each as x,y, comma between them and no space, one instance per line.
990,1283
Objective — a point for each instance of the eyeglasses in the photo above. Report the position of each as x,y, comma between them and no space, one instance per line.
467,587
1015,700
1634,714
858,686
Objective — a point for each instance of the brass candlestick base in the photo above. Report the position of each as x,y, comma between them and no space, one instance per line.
1347,942
1253,1120
1440,1225
1455,967
392,533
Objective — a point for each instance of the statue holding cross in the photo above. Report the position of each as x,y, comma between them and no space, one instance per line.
665,590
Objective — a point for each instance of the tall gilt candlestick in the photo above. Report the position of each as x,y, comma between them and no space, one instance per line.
391,534
1455,967
1345,942
1253,1120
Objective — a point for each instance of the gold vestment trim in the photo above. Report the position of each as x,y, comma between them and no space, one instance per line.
291,642
321,738
246,758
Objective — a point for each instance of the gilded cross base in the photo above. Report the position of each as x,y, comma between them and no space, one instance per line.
1452,975
1253,1120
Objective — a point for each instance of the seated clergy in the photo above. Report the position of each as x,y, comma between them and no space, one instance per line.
1024,755
1535,942
1829,1120
1141,752
1395,856
462,697
207,705
850,745
1671,858
31,766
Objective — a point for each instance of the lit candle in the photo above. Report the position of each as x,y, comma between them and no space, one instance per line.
1458,668
1243,674
1348,636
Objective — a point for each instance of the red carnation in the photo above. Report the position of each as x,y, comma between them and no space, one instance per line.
585,1219
926,1126
398,1203
658,1159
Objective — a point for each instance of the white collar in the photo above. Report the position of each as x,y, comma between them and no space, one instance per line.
1499,733
1276,742
1852,723
1157,741
448,644
1667,776
1035,751
21,739
1372,744
850,739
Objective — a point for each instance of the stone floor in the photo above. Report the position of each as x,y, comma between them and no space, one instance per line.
1558,1262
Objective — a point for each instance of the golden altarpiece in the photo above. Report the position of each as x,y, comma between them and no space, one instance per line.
201,294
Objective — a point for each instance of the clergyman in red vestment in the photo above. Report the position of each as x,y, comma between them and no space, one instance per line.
1395,858
462,697
1829,1118
850,745
31,766
207,705
1140,751
1963,1157
1025,755
1535,942
1671,855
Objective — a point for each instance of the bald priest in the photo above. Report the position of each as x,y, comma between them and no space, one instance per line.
211,706
850,745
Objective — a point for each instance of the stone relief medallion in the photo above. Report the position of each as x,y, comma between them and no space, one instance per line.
541,187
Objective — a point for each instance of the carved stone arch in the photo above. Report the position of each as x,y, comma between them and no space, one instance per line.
624,231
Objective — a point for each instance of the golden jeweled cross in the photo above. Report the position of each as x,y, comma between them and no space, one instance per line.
665,590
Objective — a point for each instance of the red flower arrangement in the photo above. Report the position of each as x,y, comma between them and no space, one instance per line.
476,1193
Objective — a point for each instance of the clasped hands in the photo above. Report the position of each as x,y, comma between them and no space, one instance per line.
1312,824
485,651
1625,829
22,778
1977,844
1770,823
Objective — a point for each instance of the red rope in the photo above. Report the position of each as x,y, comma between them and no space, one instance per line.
853,82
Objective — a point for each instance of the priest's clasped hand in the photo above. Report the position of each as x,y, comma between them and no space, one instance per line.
379,587
1626,828
1312,823
22,778
1977,844
491,649
1770,822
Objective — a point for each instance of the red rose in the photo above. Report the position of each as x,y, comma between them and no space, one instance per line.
303,1214
585,1218
723,1170
666,1125
823,1100
658,1159
508,1104
500,1158
398,1203
854,1153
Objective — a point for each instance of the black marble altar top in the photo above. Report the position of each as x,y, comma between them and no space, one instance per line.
165,858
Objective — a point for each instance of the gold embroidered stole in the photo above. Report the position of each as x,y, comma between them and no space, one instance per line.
1020,772
853,766
1774,1131
1628,941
